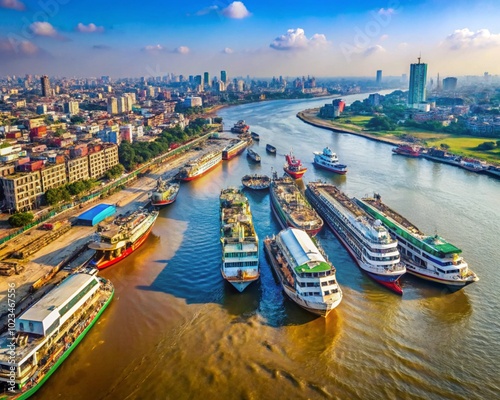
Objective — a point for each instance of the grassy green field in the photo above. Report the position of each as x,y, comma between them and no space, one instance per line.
467,146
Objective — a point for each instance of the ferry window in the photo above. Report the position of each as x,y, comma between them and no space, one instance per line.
327,292
31,326
21,326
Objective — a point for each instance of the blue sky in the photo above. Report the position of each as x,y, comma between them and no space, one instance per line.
256,38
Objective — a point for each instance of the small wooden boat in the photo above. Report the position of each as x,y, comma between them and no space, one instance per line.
270,148
255,136
256,181
252,155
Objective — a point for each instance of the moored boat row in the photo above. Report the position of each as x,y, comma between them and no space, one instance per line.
428,257
365,238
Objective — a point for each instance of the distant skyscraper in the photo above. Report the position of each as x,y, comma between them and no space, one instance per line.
45,86
379,77
206,79
112,105
449,83
418,79
223,76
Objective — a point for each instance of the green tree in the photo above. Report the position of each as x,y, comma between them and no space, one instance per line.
20,219
381,123
486,146
444,146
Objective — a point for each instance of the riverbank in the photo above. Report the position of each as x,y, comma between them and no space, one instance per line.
310,117
50,263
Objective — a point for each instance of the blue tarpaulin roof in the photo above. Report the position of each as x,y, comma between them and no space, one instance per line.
96,214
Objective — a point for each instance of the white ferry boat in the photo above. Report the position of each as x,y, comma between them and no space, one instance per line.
428,257
329,161
305,274
240,243
199,167
364,237
49,331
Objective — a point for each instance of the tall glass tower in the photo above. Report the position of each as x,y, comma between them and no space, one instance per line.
418,79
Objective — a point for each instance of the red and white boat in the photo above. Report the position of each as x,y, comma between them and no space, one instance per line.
165,192
407,150
234,148
200,166
294,167
121,237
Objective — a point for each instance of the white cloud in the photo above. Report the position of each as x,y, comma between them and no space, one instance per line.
90,28
12,47
386,11
403,45
296,39
206,10
383,37
465,38
13,5
373,50
43,29
153,48
228,50
182,50
236,10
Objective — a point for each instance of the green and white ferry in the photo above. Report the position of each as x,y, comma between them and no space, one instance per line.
428,257
46,333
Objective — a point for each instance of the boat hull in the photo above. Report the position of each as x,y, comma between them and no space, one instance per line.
341,169
295,174
239,284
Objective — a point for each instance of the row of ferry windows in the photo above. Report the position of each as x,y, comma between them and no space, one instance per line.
241,255
327,292
315,274
241,264
315,284
393,258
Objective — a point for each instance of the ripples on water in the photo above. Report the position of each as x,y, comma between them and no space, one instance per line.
176,330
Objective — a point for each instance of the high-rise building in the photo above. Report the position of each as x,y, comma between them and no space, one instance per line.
112,105
71,107
223,76
379,77
45,86
450,83
418,79
206,79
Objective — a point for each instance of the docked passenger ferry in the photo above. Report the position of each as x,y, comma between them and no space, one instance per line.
200,166
47,332
119,238
428,257
305,273
291,207
240,243
364,237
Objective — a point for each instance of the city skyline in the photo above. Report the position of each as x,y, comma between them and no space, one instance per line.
58,37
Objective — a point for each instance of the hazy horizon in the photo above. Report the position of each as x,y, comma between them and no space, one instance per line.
323,39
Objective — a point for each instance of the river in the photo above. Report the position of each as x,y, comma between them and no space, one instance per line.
176,330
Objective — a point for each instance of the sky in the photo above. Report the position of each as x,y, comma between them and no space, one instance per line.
76,38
